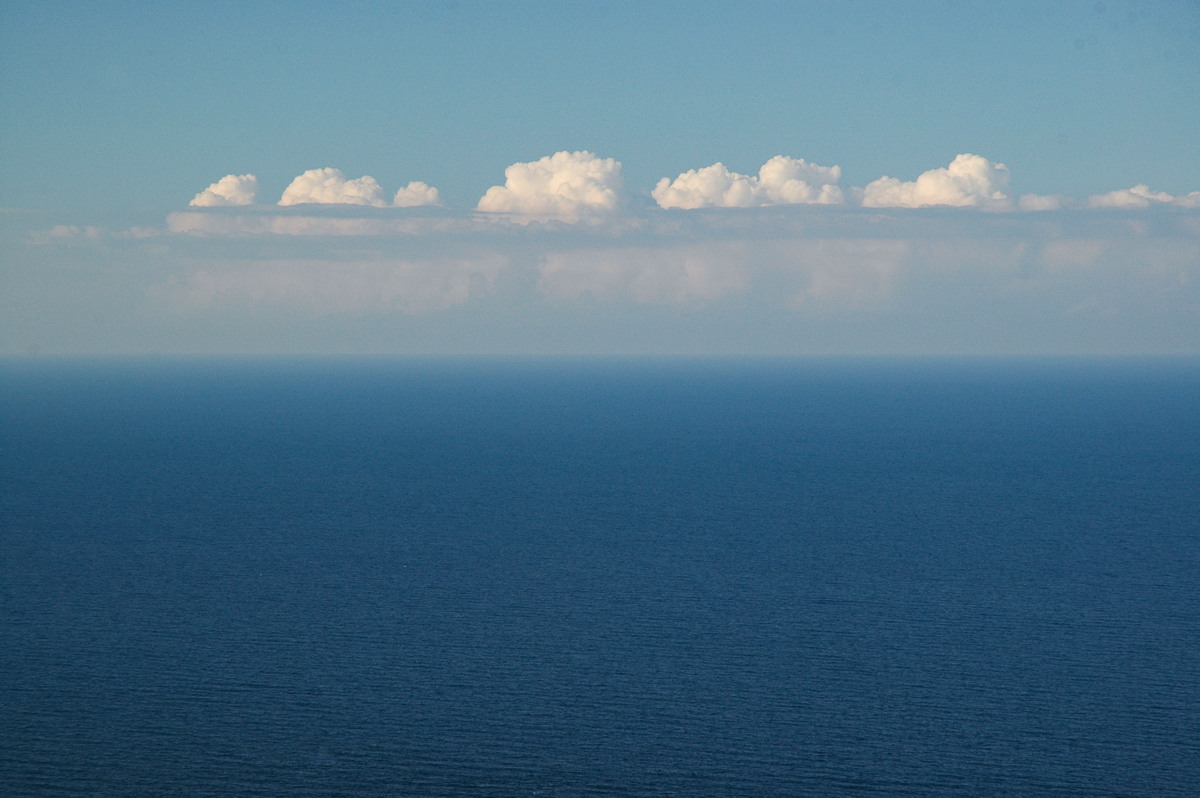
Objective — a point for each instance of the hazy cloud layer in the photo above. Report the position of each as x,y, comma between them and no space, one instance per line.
229,190
330,187
675,275
332,286
969,181
1043,202
339,222
780,181
798,278
567,185
841,259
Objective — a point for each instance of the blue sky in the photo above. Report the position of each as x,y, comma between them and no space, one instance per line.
116,115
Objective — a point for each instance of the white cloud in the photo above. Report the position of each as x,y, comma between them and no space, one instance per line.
712,186
1140,196
794,181
780,181
229,190
567,185
415,194
969,181
330,187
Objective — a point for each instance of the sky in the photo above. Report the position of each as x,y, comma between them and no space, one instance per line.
751,178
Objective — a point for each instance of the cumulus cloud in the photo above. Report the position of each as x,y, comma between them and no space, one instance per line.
970,181
330,187
416,194
229,190
567,185
1140,196
780,181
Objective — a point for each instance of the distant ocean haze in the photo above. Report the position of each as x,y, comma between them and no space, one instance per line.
640,577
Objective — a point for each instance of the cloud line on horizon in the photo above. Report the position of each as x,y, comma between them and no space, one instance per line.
582,186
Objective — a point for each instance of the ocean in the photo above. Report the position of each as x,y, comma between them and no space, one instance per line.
558,577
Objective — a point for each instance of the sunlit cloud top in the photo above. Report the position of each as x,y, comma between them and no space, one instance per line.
229,190
566,185
970,181
780,181
330,187
582,186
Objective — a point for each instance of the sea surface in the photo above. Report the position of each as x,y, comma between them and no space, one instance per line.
599,577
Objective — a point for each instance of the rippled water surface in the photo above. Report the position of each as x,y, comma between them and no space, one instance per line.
631,578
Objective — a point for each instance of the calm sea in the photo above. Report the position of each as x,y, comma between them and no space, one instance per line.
600,578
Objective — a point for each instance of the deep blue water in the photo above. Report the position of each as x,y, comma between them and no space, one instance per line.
630,578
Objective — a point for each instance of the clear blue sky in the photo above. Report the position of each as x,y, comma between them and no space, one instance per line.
143,104
115,115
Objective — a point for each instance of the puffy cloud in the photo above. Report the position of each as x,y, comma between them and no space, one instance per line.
567,185
780,181
793,181
1140,196
712,186
417,193
229,190
969,181
330,187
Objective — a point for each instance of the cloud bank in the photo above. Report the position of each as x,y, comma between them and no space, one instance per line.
970,181
569,186
229,190
580,186
780,181
779,279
